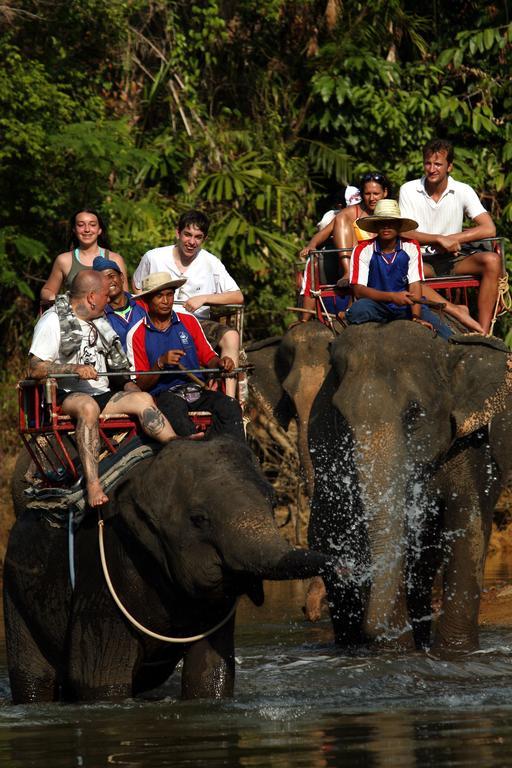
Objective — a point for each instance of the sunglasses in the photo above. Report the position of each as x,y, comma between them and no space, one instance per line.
378,177
93,335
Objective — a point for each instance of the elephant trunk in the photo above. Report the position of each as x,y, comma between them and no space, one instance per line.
382,474
261,551
302,386
298,564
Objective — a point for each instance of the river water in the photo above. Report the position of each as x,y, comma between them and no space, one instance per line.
298,702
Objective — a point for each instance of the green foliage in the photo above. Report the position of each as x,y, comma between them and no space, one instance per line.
249,110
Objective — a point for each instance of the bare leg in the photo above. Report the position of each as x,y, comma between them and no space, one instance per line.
230,345
344,280
489,267
308,303
459,311
316,597
142,405
86,412
343,232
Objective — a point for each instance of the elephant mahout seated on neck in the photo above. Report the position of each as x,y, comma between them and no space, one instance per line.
407,474
185,534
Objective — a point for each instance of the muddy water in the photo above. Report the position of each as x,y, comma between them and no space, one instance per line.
298,702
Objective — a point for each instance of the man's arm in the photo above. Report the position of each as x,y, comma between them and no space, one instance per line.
484,228
221,362
415,292
227,297
402,298
140,273
42,369
171,357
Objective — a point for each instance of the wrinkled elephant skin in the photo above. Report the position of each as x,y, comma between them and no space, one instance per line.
185,534
406,478
289,372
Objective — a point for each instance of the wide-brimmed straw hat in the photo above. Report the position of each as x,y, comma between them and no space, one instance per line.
386,210
159,281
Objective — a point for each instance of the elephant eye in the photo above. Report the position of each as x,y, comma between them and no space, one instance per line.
412,416
200,519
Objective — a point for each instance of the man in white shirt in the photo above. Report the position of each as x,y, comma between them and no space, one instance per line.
73,338
208,282
439,204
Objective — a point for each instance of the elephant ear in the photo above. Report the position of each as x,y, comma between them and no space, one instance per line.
481,382
151,488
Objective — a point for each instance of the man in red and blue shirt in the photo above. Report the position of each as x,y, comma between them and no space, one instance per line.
165,341
386,273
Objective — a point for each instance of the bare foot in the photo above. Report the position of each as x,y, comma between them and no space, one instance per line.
96,496
315,599
461,313
195,436
343,282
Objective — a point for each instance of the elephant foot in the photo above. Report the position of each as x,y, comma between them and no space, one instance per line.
316,600
449,654
453,651
27,690
107,692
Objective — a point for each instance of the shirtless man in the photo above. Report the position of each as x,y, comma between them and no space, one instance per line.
73,338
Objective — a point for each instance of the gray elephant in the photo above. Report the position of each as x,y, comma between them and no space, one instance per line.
407,473
185,534
288,374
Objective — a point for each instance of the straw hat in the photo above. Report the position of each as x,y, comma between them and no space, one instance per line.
386,210
159,281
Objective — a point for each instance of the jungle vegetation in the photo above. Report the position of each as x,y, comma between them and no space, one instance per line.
252,111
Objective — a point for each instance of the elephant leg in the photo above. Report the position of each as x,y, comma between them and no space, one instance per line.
346,608
424,559
102,655
468,519
152,674
209,665
33,678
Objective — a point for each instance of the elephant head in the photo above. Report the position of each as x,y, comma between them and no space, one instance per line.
406,401
203,512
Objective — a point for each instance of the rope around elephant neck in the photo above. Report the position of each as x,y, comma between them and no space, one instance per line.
132,620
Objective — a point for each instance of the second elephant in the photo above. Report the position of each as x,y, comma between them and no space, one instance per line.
407,474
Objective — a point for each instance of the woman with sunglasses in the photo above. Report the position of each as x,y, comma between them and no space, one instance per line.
343,228
88,238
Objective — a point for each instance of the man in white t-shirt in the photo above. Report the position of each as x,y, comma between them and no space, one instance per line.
73,338
208,282
439,204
